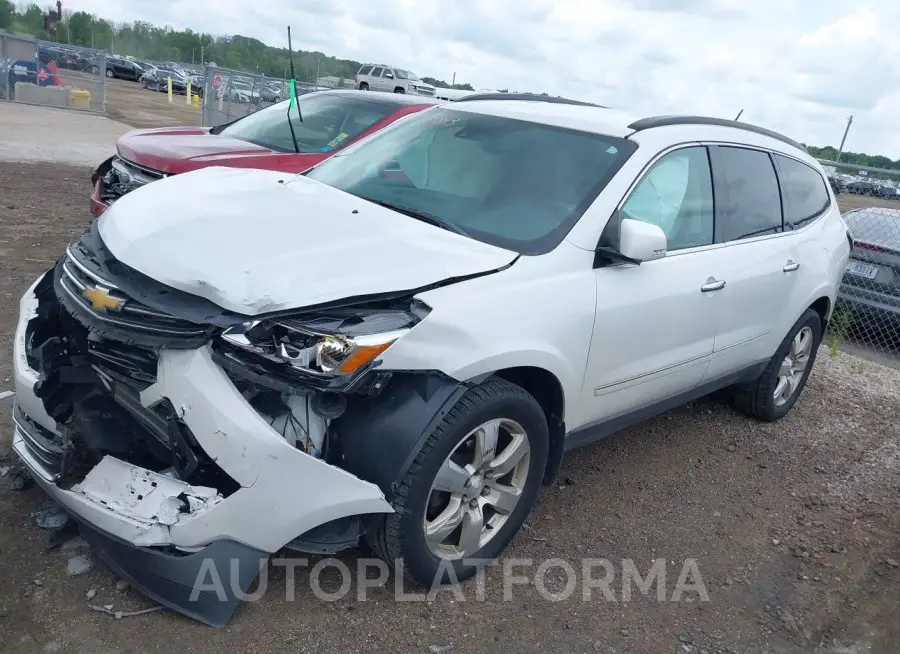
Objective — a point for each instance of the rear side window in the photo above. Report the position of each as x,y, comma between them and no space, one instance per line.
377,72
752,206
365,70
804,189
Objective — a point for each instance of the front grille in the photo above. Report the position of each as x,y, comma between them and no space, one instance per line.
423,91
125,176
102,300
40,443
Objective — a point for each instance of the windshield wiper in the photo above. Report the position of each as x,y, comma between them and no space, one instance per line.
431,219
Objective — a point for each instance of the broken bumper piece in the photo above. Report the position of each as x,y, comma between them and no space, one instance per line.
206,585
156,527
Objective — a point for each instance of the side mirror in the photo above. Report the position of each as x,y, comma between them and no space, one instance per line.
389,75
641,241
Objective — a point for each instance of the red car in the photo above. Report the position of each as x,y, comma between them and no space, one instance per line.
331,120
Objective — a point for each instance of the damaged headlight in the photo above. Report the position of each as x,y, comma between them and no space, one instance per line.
329,343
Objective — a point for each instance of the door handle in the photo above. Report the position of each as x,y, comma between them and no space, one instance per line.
713,285
791,266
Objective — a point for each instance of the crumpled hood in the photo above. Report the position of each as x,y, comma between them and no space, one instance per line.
256,241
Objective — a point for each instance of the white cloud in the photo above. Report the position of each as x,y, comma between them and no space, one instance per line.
797,66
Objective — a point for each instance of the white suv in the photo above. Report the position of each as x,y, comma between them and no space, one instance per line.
378,77
402,343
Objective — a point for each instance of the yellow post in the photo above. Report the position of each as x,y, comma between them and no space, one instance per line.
169,88
187,96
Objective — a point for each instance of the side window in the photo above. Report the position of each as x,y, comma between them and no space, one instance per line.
376,72
804,189
388,73
753,206
676,194
365,70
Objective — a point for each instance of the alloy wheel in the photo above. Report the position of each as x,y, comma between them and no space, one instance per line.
476,489
790,374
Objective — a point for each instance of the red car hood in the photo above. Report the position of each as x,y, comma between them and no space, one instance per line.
181,149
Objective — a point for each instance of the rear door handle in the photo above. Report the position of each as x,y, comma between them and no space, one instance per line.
713,285
790,266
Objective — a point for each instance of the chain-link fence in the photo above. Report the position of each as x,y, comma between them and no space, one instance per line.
867,314
44,73
230,94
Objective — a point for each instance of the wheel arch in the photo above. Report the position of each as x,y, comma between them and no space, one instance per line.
823,306
547,390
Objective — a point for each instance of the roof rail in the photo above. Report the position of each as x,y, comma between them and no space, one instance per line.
665,121
528,97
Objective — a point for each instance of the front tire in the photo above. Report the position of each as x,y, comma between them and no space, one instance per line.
363,86
399,89
109,73
470,487
770,397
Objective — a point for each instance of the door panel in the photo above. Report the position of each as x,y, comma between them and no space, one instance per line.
653,334
655,325
759,292
759,271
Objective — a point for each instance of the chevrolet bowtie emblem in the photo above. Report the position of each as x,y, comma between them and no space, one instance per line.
101,300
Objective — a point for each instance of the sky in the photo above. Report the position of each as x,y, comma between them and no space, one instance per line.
797,66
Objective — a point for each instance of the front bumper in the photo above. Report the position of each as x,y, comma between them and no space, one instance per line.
155,529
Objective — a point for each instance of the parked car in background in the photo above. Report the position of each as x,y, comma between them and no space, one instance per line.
272,92
331,120
378,77
871,283
240,91
157,79
118,67
837,186
401,345
66,58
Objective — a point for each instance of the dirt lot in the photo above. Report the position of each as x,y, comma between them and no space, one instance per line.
795,527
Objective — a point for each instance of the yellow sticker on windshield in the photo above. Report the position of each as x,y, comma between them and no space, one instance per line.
340,138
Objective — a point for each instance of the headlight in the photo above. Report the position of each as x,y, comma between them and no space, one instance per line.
327,343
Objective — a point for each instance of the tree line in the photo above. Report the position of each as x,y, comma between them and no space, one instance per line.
145,41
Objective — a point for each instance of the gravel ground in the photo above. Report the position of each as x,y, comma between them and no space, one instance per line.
794,526
29,133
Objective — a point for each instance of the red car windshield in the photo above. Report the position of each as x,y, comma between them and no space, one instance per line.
329,122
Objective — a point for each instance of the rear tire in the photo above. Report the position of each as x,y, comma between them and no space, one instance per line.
762,399
109,73
400,537
363,86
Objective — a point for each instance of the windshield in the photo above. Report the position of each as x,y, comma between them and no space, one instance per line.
511,183
329,122
405,74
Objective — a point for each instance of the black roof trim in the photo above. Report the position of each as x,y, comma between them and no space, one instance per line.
665,121
527,97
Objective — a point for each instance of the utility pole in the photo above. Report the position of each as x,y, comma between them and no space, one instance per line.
844,140
453,83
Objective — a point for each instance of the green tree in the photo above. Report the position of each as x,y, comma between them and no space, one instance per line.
6,14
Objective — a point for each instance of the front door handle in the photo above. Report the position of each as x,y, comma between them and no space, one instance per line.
791,266
713,285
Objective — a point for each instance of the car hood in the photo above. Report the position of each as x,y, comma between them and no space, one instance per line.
178,149
257,241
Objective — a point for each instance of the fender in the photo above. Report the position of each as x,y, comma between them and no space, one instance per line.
377,438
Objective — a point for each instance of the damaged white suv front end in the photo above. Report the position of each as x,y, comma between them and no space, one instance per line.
204,414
